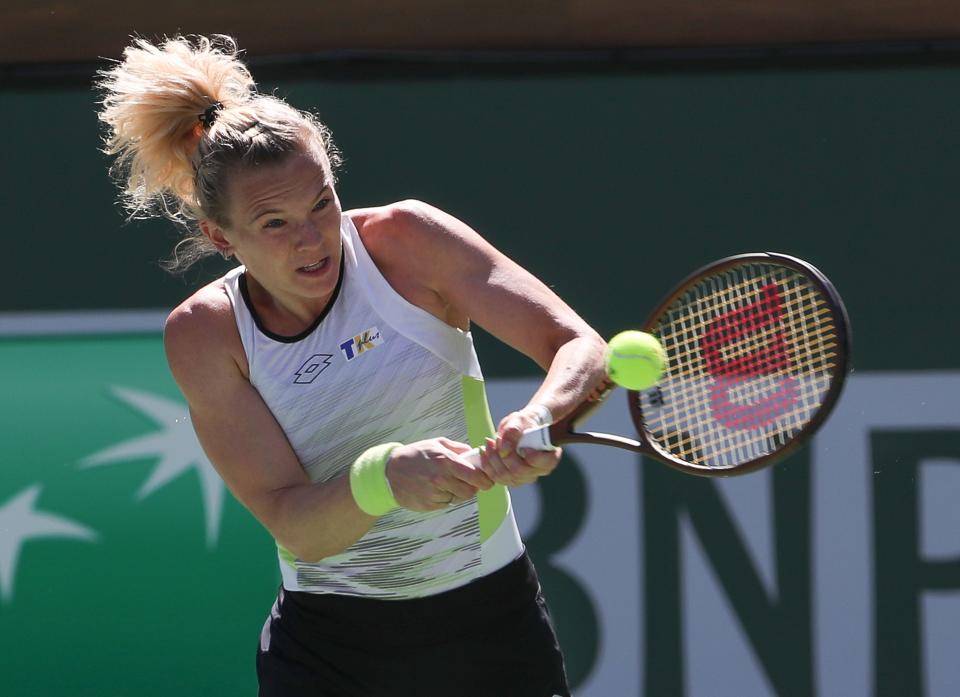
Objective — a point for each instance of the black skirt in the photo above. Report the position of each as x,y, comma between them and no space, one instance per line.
491,638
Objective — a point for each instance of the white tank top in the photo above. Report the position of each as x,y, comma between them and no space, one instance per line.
372,369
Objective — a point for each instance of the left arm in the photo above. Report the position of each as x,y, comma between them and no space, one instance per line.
457,275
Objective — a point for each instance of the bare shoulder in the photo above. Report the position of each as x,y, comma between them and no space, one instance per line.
415,238
414,245
203,317
401,226
200,336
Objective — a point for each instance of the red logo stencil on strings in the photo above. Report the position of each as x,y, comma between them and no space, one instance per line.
746,324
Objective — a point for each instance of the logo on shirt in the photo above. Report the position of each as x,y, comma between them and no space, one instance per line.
364,341
311,368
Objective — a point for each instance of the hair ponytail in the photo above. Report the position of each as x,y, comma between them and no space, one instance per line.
181,116
153,102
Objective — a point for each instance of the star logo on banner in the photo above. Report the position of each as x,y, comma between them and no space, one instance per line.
20,521
175,444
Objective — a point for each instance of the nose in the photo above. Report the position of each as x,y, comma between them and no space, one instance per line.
310,236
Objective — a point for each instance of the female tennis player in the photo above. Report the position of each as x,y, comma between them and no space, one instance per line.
332,381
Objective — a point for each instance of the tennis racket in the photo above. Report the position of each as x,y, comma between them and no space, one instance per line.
757,350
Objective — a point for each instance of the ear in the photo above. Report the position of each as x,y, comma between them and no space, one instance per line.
217,238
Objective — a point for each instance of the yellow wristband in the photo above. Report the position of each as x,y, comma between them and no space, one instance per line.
368,480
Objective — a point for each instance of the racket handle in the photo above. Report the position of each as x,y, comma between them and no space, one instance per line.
537,438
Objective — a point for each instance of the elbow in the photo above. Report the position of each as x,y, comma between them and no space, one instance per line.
312,543
593,352
311,558
296,543
598,352
302,551
591,346
596,343
312,521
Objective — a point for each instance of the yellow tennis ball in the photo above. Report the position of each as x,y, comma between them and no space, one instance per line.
635,360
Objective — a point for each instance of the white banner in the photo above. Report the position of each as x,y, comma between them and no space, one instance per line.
718,658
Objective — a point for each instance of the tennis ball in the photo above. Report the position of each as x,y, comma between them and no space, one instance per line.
635,360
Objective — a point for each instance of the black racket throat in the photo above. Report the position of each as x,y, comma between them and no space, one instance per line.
564,437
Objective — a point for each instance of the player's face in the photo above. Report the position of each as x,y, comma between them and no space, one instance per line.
285,228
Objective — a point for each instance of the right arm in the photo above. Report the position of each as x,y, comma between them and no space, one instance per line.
251,453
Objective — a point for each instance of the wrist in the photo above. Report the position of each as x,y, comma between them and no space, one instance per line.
541,413
368,481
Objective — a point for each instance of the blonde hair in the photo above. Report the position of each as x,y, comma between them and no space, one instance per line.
184,114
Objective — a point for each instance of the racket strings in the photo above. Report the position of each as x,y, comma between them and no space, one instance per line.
702,411
695,449
742,448
705,308
756,337
745,353
752,352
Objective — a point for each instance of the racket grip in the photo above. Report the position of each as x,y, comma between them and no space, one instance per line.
537,438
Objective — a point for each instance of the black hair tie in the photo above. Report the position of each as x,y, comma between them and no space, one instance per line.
209,114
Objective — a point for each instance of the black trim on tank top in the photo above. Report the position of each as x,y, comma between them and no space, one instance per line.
306,332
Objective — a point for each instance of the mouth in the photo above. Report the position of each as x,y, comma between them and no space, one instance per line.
316,267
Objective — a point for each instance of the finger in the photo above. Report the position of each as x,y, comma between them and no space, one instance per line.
484,462
442,497
508,442
514,425
455,446
457,489
511,468
503,447
519,470
492,463
511,430
544,461
448,502
466,473
438,504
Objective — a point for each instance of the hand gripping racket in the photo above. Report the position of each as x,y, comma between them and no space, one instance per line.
757,352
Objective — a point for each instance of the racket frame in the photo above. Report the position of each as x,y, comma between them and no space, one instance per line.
844,339
564,430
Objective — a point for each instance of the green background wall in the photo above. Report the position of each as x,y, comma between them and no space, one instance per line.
610,187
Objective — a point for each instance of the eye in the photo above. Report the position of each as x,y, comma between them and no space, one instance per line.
274,223
321,204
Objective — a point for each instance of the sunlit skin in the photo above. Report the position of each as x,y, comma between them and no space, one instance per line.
283,218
